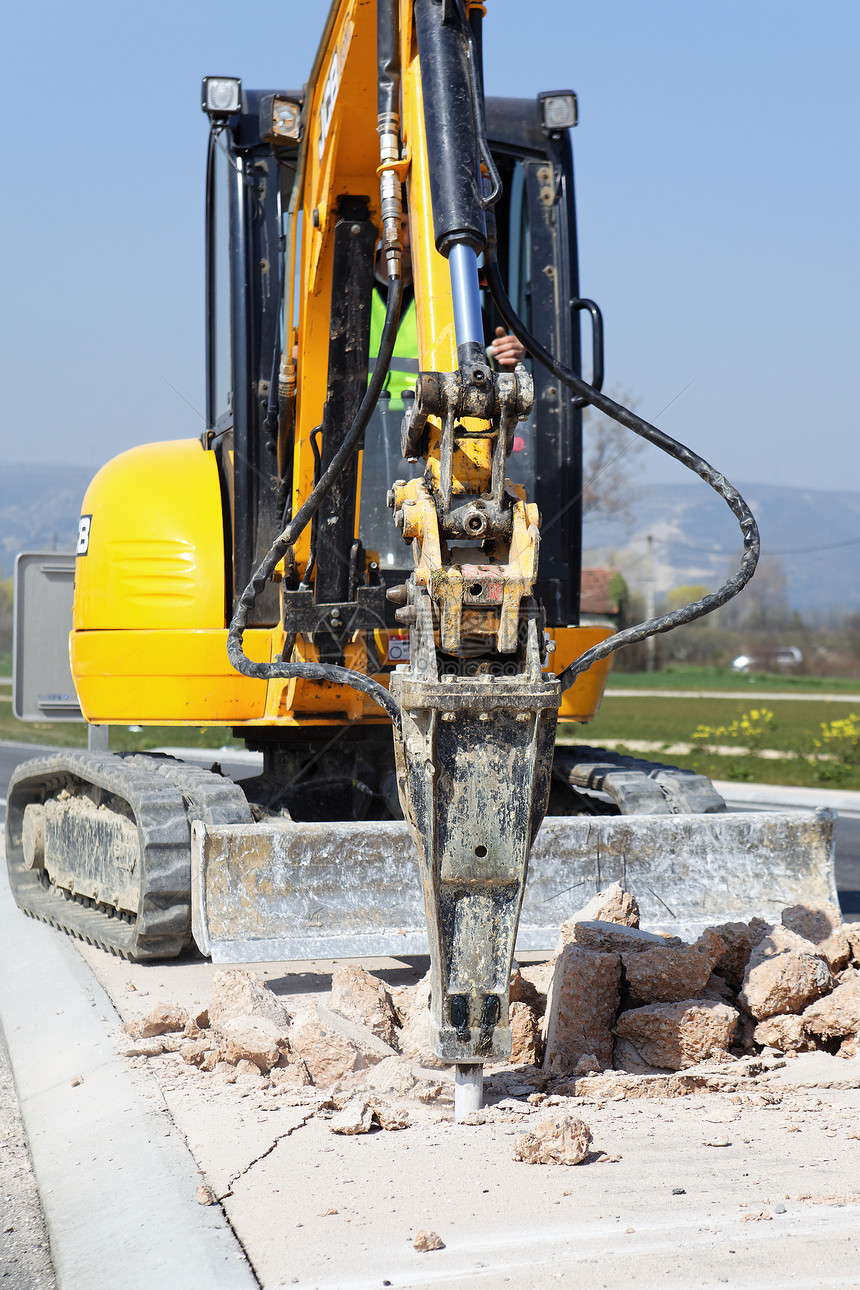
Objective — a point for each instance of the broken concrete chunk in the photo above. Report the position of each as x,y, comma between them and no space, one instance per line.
193,1052
614,905
390,1118
534,985
852,933
784,1032
738,941
331,1046
524,988
426,1240
355,1117
173,1042
560,1141
142,1048
294,1075
674,1036
525,1035
357,994
581,1008
626,1057
246,1069
391,1075
163,1019
785,973
837,1015
821,923
413,1009
211,1058
256,1039
669,974
239,993
611,937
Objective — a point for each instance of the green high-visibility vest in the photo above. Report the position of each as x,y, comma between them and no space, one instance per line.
403,370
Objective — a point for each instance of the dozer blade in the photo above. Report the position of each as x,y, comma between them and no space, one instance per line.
285,890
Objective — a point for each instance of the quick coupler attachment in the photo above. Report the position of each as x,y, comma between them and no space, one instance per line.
474,762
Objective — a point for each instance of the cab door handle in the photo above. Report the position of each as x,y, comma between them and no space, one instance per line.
588,306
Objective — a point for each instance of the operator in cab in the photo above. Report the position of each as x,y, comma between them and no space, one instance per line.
505,351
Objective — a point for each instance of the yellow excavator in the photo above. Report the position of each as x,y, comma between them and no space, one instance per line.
378,534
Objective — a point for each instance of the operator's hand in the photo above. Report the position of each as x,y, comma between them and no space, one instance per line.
506,350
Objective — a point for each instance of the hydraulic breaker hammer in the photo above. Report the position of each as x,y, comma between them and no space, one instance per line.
475,744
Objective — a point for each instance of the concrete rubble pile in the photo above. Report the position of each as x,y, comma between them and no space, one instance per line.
617,998
645,1013
359,1046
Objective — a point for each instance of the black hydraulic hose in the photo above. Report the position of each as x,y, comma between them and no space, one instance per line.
688,458
388,61
321,671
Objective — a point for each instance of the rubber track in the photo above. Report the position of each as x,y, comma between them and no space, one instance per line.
648,787
164,796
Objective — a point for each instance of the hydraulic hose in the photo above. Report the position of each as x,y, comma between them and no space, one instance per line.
388,128
321,671
681,453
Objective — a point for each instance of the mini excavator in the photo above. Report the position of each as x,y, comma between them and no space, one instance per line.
343,557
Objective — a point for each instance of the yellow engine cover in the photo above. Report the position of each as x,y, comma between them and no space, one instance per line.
149,632
154,542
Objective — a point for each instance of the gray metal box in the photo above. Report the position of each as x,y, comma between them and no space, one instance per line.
42,685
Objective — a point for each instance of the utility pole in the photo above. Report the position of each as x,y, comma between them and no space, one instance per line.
649,605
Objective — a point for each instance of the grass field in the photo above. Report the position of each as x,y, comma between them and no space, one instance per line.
672,721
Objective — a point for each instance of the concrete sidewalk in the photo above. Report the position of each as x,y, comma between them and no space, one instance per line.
117,1183
780,797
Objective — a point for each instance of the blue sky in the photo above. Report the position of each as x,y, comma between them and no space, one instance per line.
718,203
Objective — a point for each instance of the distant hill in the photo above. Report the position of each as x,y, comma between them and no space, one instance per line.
39,508
815,533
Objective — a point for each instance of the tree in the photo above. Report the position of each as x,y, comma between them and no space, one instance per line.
762,606
610,455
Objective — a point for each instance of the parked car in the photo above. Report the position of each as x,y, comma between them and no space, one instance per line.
785,658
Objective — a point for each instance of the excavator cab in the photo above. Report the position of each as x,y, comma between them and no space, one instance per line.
250,174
